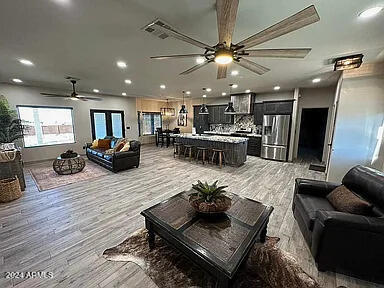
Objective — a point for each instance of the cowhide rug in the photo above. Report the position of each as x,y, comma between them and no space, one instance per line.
267,265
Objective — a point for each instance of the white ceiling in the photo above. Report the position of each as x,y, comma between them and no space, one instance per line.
85,39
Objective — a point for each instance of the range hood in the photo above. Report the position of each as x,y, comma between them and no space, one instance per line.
243,103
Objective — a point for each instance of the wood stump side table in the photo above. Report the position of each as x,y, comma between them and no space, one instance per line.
67,166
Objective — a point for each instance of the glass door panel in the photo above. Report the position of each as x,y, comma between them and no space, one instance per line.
100,125
117,125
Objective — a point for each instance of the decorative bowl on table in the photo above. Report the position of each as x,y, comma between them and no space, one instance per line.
68,154
209,199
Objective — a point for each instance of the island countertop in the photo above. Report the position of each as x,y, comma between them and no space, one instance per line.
215,138
234,148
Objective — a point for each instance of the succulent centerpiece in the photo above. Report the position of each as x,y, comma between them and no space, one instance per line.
209,198
68,154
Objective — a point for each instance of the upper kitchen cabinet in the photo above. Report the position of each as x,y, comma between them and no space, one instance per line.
217,116
200,122
258,113
278,107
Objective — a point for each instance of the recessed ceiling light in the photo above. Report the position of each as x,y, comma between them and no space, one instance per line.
121,64
26,62
200,60
316,80
370,12
234,72
235,86
247,91
17,80
127,81
276,88
204,96
124,94
162,86
96,90
209,89
188,92
223,94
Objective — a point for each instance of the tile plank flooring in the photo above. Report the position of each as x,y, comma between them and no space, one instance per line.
65,230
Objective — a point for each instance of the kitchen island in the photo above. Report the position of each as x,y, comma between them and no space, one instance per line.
235,148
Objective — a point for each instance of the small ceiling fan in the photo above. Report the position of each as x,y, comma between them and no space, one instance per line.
225,51
73,96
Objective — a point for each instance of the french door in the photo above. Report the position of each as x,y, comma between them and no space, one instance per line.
107,123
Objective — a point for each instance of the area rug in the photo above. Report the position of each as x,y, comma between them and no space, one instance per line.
45,178
266,267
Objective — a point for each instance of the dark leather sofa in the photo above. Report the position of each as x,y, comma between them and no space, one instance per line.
341,242
117,161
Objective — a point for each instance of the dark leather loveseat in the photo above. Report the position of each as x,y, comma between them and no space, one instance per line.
117,161
346,243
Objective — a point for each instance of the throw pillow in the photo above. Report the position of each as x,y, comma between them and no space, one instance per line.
344,200
95,144
104,143
109,151
119,146
126,147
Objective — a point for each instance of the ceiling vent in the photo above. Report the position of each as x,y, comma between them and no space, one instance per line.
153,28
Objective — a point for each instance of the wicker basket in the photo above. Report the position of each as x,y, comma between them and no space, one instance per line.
10,189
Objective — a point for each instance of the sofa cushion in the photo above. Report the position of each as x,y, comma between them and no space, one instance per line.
344,200
368,183
104,143
108,157
308,205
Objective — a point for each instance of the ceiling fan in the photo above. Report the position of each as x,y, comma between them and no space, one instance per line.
225,51
73,96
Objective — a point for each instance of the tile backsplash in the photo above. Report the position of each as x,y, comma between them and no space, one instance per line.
240,122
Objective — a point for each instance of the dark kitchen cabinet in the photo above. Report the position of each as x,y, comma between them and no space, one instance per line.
278,107
258,113
217,116
254,146
200,122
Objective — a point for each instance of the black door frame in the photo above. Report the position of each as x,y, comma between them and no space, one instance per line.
108,121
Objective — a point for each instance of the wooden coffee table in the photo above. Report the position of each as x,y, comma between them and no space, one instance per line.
219,244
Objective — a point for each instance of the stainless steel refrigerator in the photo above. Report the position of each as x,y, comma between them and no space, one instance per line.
275,138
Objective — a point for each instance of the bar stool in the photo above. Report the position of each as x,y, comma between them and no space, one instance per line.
188,151
203,151
177,149
221,155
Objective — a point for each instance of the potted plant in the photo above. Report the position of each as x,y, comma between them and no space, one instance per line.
209,199
11,128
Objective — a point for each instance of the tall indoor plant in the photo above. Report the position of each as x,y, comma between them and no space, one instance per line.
11,128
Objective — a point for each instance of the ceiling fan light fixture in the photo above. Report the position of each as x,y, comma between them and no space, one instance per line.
200,60
223,57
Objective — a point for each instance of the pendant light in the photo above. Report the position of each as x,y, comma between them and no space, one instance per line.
167,111
203,108
229,109
183,110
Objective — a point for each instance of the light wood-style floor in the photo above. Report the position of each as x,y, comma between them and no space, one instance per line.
66,230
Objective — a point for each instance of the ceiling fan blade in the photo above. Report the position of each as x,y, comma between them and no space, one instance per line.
175,34
299,20
277,53
54,95
257,68
180,56
86,98
194,68
226,19
221,71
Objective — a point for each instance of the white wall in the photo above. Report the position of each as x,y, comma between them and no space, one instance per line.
21,95
315,98
359,116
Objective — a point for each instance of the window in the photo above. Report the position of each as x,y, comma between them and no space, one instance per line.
46,125
107,123
150,121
